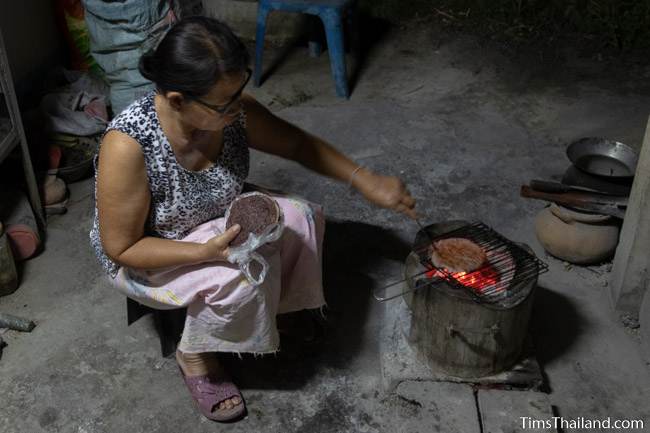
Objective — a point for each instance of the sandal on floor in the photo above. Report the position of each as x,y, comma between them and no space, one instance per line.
208,391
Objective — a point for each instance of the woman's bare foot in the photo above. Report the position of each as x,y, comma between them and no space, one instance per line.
201,364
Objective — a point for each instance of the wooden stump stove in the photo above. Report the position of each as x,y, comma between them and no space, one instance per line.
472,324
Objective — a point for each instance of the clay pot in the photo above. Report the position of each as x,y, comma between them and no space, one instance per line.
20,224
8,274
577,237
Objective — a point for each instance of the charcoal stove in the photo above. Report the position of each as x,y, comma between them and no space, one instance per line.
470,324
502,282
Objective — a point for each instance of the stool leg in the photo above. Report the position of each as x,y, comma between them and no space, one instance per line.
135,310
354,32
315,46
262,14
169,325
334,32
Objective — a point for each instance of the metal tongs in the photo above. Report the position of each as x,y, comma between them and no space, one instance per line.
402,287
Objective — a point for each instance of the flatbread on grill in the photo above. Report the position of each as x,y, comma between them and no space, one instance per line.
457,255
254,213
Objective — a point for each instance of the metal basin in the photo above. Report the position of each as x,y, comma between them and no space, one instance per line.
603,157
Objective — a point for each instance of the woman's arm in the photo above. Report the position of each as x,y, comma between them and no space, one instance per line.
123,201
270,134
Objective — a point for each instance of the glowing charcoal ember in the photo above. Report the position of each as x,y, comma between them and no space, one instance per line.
489,278
478,280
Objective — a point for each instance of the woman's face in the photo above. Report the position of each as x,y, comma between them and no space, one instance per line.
217,108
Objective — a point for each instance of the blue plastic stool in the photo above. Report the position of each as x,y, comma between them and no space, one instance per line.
331,12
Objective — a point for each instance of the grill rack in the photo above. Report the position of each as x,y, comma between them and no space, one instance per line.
513,264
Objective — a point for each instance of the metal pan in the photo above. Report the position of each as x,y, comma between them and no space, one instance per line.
611,185
603,157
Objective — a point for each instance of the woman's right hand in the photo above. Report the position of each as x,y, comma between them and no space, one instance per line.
216,248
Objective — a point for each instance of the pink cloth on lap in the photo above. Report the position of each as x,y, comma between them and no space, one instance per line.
225,313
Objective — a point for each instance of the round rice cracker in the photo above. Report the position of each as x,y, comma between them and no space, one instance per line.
457,255
254,212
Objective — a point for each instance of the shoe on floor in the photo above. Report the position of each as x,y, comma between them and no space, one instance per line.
209,390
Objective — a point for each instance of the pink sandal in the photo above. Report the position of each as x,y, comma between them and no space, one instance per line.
208,391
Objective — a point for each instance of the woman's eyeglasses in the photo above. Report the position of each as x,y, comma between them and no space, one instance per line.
231,107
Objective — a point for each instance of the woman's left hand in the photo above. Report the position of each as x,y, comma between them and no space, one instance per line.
386,191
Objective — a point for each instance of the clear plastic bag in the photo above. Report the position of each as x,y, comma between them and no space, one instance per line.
245,254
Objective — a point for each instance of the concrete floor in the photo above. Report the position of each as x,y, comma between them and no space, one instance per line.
464,126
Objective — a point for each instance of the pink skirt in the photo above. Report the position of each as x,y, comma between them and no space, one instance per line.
224,312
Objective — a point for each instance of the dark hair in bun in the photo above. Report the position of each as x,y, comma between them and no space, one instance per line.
194,54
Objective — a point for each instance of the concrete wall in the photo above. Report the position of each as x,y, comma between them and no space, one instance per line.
241,15
32,41
631,270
